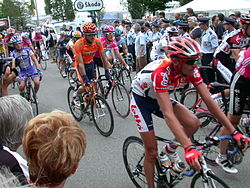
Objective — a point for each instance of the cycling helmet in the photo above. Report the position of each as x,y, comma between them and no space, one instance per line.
184,48
15,39
109,28
37,32
89,28
118,32
245,19
172,29
62,33
77,34
25,36
10,30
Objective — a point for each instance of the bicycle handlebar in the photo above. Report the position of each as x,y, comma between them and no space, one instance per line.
4,60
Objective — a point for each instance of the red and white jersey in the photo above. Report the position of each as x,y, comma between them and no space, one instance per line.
244,64
160,76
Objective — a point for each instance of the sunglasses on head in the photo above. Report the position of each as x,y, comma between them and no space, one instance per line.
191,62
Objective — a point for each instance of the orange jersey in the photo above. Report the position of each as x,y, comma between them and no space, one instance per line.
88,50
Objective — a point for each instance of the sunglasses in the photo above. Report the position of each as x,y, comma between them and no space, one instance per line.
16,43
110,33
90,34
191,62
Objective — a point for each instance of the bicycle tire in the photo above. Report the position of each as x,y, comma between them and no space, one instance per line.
100,109
33,101
212,181
125,79
134,165
43,64
209,127
72,78
189,97
120,100
77,112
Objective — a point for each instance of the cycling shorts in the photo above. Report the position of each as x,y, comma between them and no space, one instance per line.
90,71
61,52
239,91
142,109
29,71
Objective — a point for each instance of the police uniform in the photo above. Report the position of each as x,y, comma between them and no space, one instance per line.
209,43
157,35
163,31
131,42
230,21
182,25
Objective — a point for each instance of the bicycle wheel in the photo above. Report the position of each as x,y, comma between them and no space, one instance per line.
43,64
75,110
133,158
210,180
209,127
121,100
189,98
33,101
72,78
126,79
102,116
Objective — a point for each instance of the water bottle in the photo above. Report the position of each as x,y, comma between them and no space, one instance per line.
179,167
164,160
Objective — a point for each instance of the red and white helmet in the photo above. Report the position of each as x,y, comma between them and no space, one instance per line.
183,48
108,28
245,19
10,30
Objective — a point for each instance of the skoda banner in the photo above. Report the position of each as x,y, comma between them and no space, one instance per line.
88,5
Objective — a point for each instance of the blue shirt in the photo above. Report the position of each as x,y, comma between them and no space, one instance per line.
131,37
156,36
140,41
209,41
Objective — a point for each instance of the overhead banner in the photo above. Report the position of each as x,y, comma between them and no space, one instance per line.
88,5
4,22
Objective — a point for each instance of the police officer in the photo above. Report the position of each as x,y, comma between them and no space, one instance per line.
164,25
131,40
229,26
183,28
209,43
156,32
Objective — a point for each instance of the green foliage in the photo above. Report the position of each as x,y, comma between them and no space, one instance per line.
137,8
60,9
69,11
183,2
16,10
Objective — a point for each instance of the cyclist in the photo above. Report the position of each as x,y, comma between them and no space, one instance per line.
25,59
2,47
38,40
26,41
85,49
8,46
121,42
61,45
110,46
150,95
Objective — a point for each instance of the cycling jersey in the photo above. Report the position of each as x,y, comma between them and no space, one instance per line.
39,38
161,76
120,44
24,56
26,43
235,40
244,64
88,50
157,51
109,45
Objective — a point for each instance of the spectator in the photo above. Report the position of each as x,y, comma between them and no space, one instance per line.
53,144
194,29
164,25
237,18
15,113
117,25
219,29
190,12
228,25
149,35
52,38
183,28
64,28
177,16
131,41
209,43
156,36
140,48
200,15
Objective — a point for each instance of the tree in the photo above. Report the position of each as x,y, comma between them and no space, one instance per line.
183,2
154,5
136,9
69,11
60,9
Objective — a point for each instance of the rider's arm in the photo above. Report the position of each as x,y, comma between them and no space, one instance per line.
33,57
124,49
120,57
173,123
213,107
105,61
81,65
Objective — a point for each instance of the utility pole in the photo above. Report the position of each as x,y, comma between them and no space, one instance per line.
37,17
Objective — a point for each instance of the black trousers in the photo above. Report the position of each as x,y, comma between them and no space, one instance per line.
131,49
208,75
